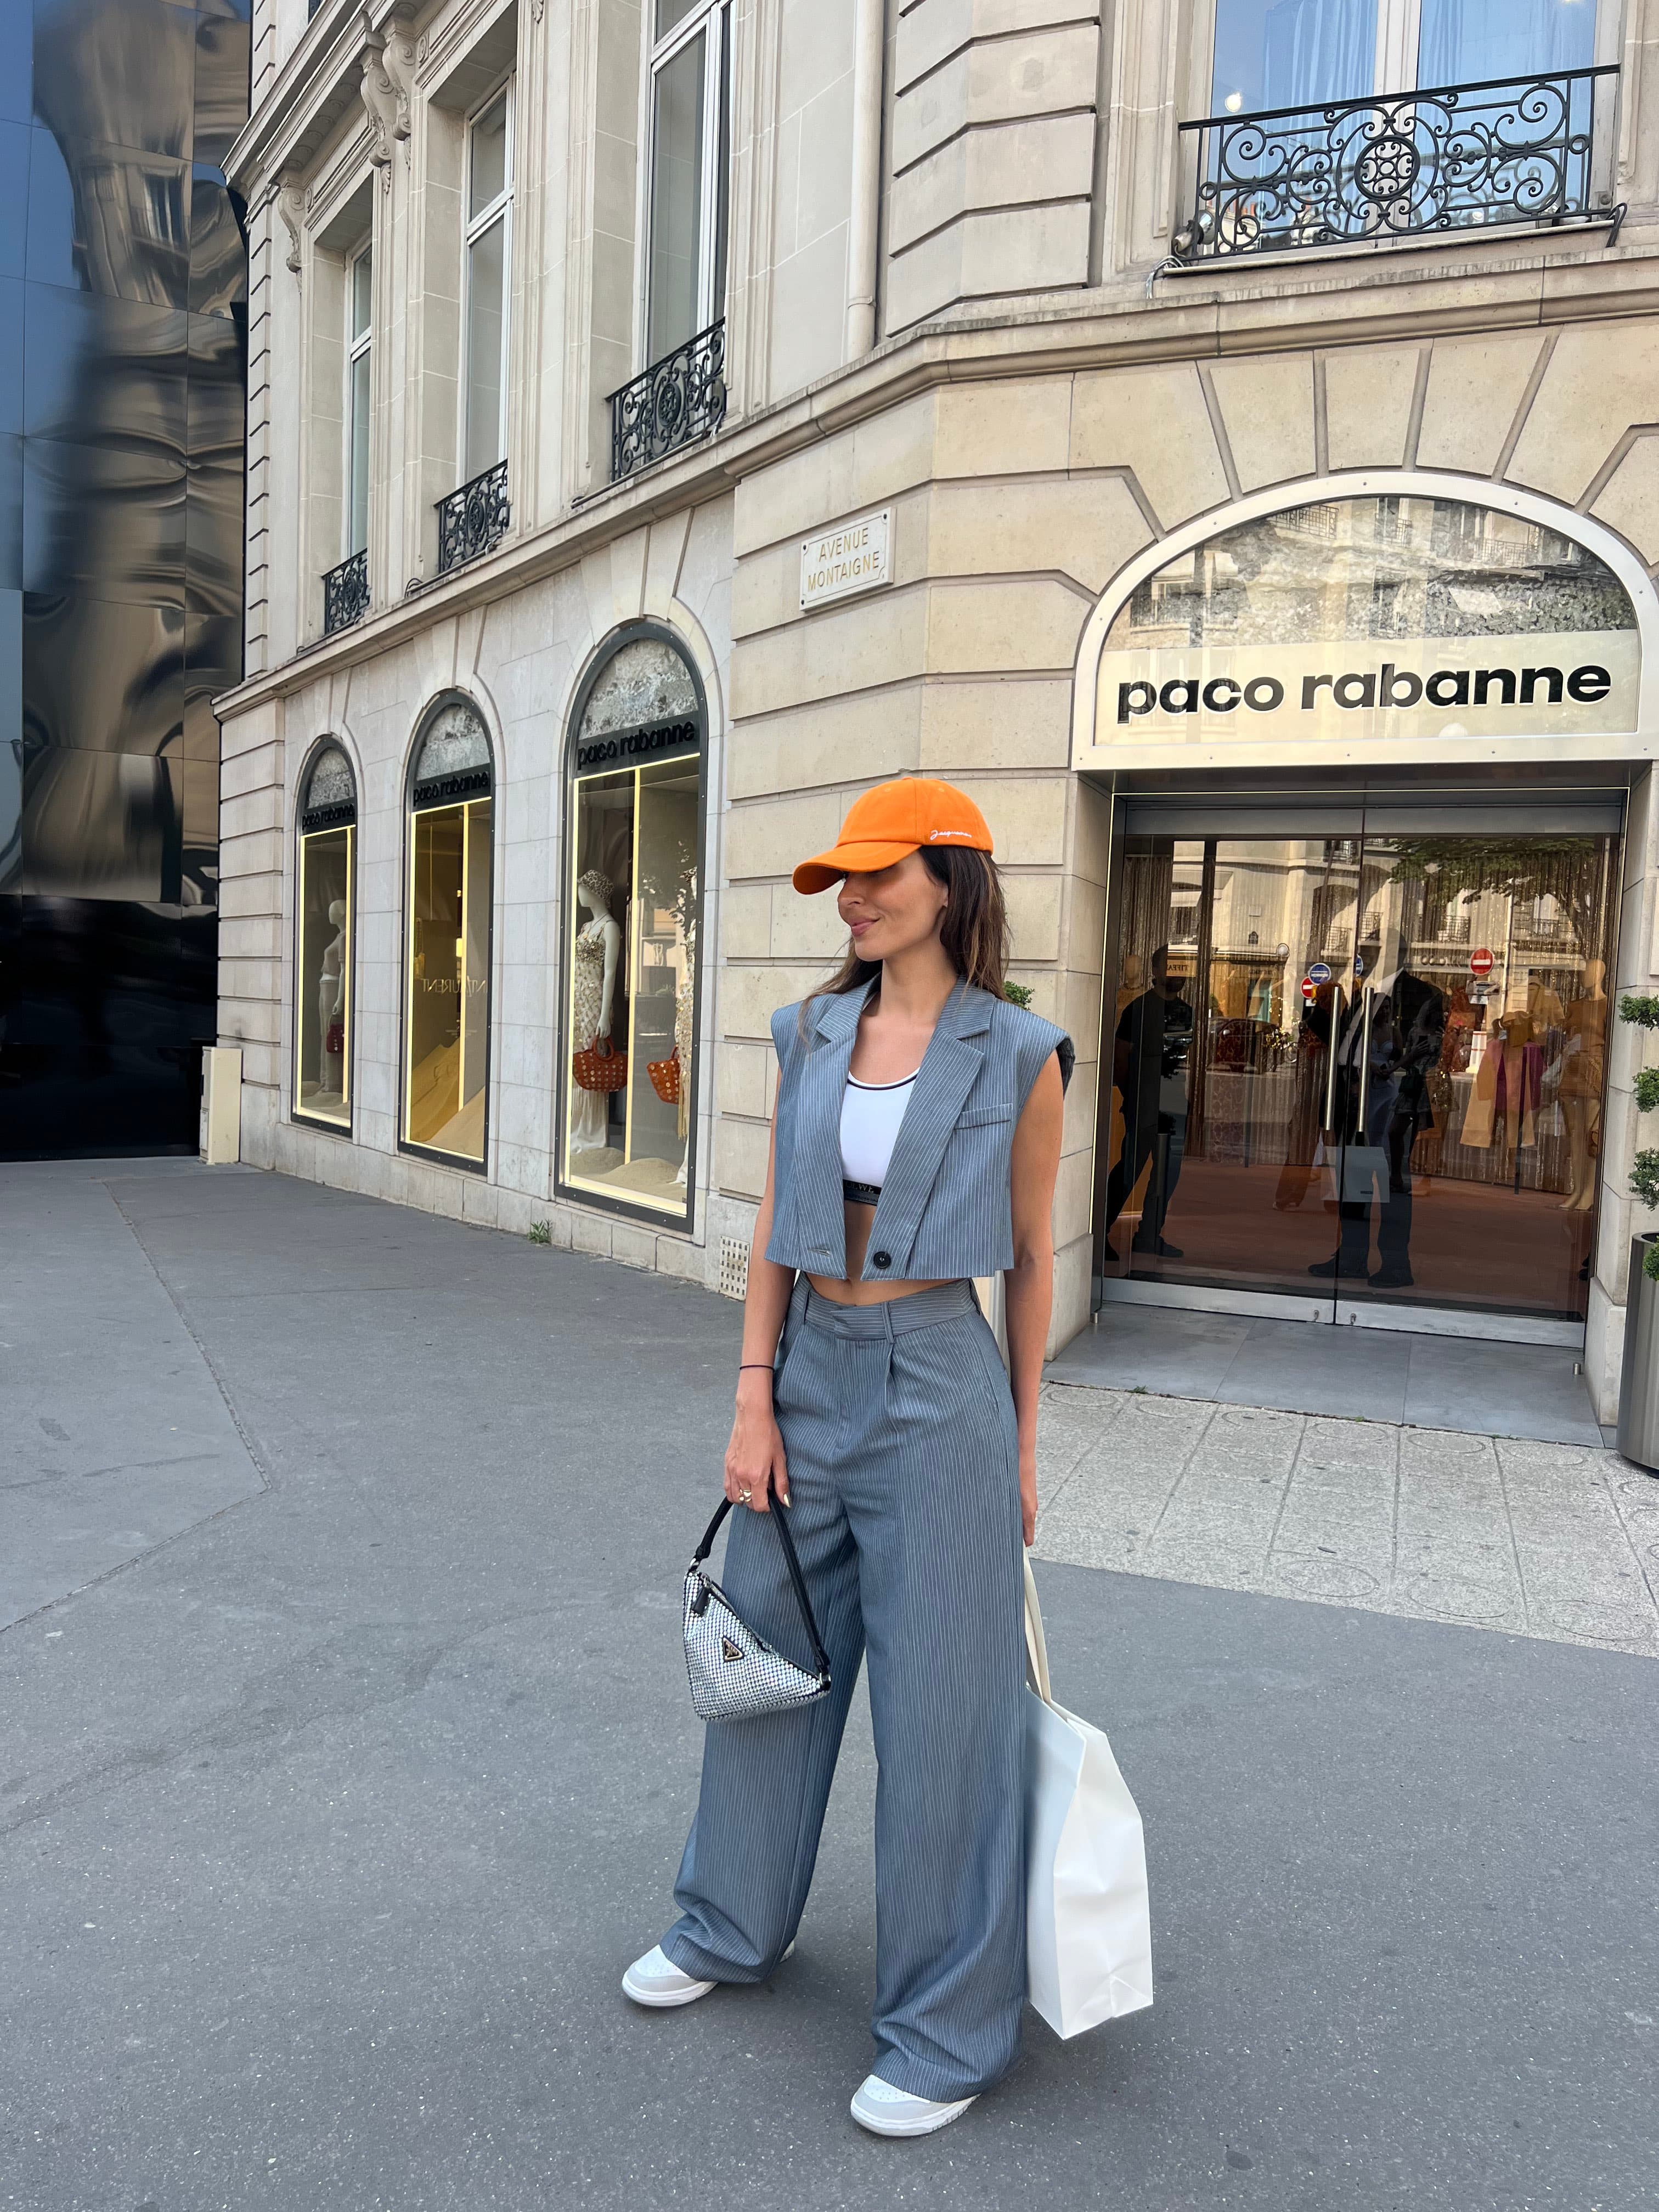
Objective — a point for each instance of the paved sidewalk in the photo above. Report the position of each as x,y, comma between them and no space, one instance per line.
328,1821
1404,1375
114,1435
1552,1541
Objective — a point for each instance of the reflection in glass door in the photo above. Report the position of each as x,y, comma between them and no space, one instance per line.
1363,1066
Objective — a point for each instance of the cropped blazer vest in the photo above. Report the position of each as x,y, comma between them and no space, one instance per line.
946,1209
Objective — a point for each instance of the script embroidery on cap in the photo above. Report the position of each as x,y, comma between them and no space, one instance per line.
934,835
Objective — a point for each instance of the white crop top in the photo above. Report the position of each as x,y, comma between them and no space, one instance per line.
870,1117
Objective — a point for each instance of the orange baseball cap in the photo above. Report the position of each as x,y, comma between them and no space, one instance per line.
884,825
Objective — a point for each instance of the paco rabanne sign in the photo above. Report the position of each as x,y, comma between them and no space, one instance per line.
1573,683
854,556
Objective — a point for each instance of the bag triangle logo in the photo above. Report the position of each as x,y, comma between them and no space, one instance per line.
729,1650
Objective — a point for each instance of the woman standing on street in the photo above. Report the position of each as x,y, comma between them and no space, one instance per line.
915,1142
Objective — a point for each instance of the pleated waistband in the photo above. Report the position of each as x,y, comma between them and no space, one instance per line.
893,1318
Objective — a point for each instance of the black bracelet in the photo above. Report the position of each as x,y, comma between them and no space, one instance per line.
766,1363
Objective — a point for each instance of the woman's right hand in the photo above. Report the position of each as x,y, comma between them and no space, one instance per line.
755,1464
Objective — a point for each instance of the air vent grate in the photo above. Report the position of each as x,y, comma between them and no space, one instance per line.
734,1267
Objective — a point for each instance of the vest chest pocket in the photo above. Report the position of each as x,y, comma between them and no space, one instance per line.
981,1117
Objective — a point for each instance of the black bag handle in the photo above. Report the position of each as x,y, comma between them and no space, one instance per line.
775,1514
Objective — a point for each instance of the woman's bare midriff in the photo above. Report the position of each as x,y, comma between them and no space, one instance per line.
852,1292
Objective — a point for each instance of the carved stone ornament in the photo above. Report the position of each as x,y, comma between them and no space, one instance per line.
379,97
290,205
397,60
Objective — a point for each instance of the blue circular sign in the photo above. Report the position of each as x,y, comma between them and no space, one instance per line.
1320,972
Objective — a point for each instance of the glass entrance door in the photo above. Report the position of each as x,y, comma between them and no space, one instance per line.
1365,1063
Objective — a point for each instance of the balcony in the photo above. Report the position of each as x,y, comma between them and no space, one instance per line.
345,593
473,519
1447,159
676,402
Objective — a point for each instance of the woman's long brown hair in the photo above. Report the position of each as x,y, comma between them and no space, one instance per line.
973,929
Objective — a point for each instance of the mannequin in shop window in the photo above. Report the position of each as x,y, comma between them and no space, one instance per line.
1584,1071
330,1006
1150,1064
1389,1039
1509,1087
592,996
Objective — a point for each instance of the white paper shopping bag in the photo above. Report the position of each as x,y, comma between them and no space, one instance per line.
1088,1924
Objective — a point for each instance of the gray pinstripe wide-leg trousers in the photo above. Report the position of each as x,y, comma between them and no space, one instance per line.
904,1470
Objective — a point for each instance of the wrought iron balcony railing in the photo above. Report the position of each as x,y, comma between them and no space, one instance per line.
1446,159
473,519
345,593
674,403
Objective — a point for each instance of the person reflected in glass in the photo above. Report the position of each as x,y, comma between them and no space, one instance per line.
1583,1065
1150,1056
1389,1041
1302,1135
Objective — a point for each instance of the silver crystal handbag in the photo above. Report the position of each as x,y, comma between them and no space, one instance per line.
736,1673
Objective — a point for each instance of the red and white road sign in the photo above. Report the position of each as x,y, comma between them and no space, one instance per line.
1309,986
1480,962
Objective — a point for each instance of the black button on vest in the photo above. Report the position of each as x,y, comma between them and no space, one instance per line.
881,1259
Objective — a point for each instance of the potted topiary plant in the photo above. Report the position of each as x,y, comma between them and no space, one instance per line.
1639,1389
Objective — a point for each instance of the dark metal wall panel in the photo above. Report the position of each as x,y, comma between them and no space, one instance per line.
123,351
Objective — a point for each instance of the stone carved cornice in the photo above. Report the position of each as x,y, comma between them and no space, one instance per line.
351,50
1540,286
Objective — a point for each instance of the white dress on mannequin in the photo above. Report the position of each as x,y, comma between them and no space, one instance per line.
593,988
331,1001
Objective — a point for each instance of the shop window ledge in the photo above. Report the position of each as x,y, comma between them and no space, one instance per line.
679,401
473,519
345,593
1442,160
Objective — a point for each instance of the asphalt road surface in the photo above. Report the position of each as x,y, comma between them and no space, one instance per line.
330,1819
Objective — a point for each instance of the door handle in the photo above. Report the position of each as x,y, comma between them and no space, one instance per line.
1365,1064
1330,1057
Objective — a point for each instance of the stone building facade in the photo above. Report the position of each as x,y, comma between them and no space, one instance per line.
578,333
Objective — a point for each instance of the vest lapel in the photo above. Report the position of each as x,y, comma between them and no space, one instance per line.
818,1134
953,1059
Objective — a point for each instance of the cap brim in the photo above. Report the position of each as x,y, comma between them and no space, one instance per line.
817,874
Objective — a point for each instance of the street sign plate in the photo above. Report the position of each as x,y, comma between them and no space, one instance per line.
1309,986
1480,962
1320,972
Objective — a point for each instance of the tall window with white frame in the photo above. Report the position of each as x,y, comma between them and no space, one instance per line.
345,587
474,518
488,220
1290,53
360,296
1361,119
690,134
679,394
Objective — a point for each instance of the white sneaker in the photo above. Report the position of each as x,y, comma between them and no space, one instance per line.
885,2111
656,1981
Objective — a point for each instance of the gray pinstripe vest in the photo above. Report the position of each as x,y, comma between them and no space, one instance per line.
945,1210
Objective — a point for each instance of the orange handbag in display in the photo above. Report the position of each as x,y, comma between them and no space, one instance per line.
600,1068
665,1077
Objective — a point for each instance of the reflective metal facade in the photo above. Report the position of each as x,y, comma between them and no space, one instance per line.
123,352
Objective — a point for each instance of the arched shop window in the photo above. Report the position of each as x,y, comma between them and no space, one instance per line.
447,954
633,866
324,914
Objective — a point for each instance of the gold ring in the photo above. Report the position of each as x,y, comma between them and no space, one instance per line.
745,1495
